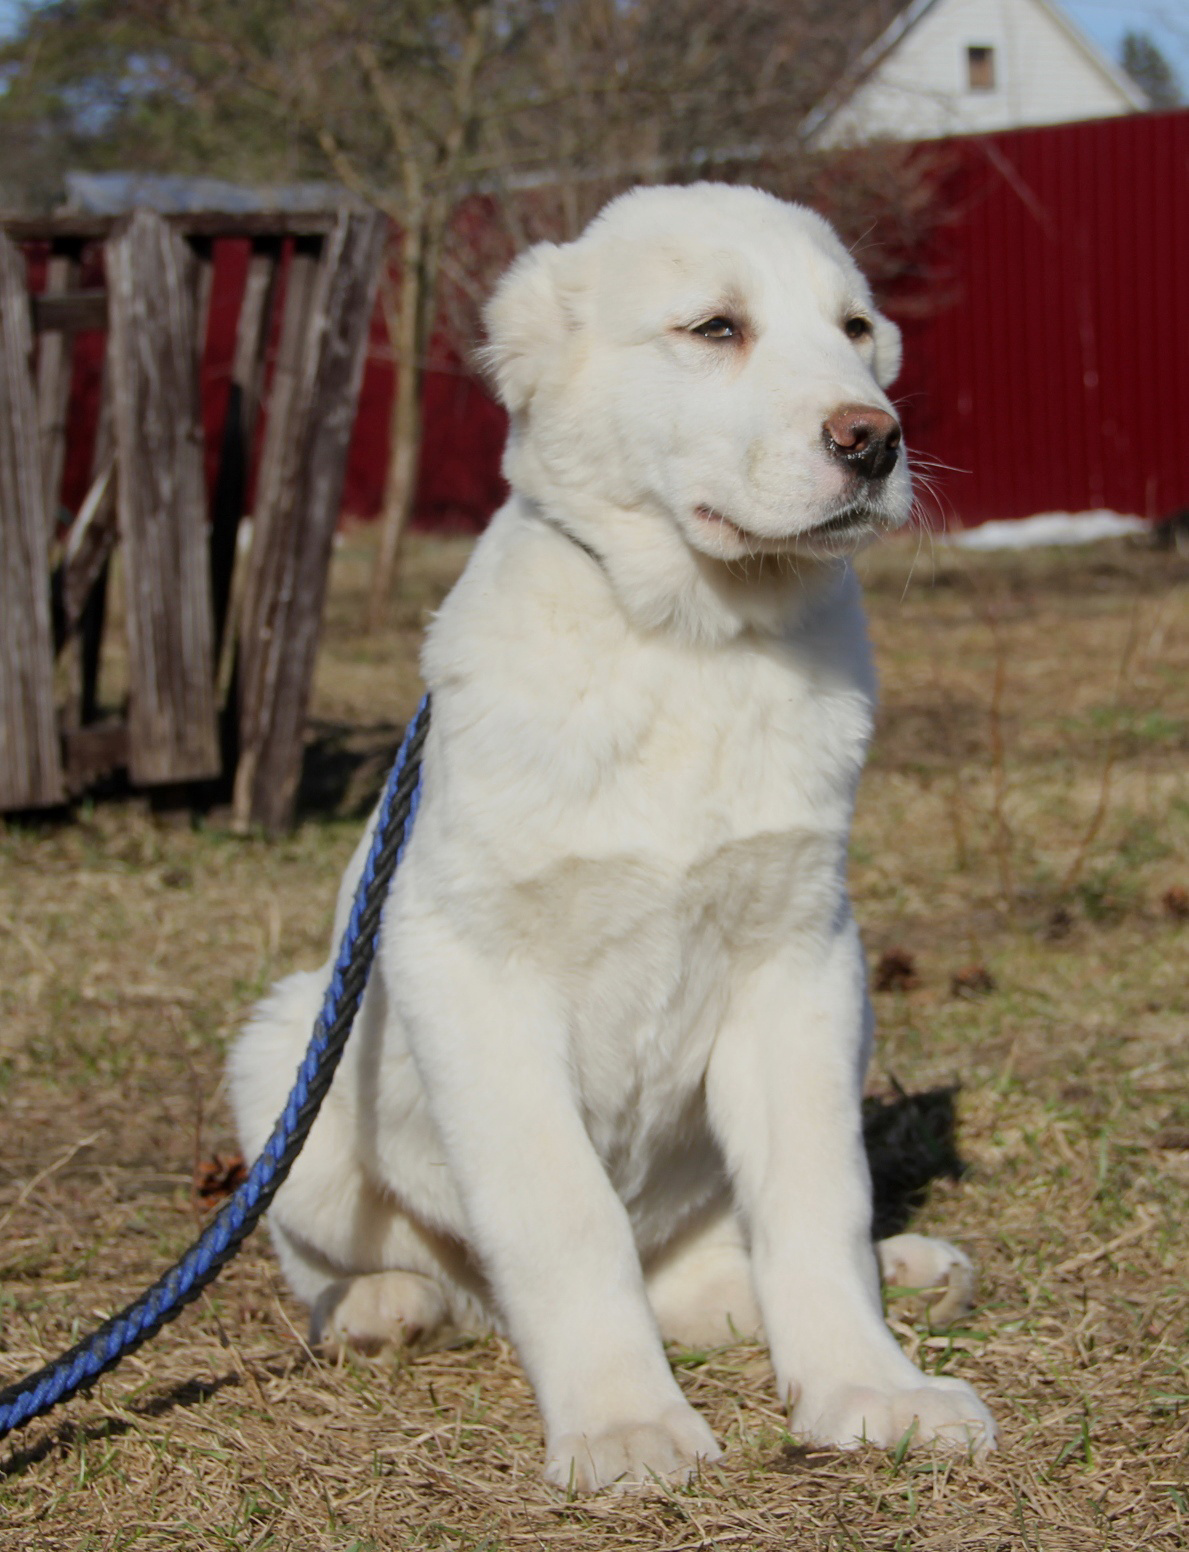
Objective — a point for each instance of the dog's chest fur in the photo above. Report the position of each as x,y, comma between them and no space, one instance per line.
643,820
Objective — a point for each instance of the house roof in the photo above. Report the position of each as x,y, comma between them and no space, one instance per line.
905,16
114,193
1097,57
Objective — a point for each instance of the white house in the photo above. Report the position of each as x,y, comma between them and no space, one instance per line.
953,67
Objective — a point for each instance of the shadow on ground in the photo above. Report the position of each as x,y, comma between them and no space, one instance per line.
344,767
911,1141
70,1435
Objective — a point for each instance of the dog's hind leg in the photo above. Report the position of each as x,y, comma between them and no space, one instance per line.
387,1309
371,1310
700,1285
369,1273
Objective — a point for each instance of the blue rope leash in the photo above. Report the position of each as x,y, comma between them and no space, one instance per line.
123,1333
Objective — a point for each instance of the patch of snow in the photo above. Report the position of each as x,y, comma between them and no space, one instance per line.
1025,533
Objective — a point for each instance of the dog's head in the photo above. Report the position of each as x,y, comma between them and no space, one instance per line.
708,360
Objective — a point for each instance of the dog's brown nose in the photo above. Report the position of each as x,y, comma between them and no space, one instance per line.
864,437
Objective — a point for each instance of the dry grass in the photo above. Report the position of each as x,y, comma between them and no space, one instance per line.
131,945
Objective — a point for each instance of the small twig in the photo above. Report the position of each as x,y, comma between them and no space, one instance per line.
246,1373
119,996
1087,1257
1003,834
199,1123
1098,818
44,1174
301,1340
956,803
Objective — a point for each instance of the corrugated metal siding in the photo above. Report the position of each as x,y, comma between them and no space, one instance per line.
1054,375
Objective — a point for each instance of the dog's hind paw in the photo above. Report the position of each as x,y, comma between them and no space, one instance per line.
632,1455
917,1261
382,1309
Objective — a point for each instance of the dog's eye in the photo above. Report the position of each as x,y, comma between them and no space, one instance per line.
717,328
858,327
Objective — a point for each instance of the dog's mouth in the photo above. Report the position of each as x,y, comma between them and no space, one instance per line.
850,523
853,522
725,528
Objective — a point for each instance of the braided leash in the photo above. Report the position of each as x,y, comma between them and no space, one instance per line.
201,1264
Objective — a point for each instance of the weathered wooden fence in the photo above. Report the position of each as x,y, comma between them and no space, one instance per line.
148,494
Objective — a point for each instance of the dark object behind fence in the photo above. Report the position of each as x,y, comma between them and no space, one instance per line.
311,282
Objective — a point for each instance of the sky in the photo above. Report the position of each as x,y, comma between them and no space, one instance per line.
1166,21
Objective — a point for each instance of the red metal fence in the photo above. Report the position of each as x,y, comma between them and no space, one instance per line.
1046,359
1053,371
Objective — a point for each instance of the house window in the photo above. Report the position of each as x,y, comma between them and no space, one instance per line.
980,67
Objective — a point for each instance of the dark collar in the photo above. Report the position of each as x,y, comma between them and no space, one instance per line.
565,533
586,549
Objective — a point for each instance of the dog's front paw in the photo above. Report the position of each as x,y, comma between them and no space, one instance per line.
945,1412
632,1454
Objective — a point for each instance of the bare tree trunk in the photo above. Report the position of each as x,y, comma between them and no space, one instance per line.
405,314
423,235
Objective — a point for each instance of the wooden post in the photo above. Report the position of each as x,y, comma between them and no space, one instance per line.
55,357
92,747
92,535
203,251
328,311
235,454
161,502
86,565
30,767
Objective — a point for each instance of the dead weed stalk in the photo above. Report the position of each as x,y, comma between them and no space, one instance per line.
1110,756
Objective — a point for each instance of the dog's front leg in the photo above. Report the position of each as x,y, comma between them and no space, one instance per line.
785,1088
491,1043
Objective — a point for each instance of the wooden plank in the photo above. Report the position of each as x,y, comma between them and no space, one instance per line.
80,583
161,503
204,285
90,645
91,592
93,533
88,545
235,457
30,769
251,335
94,751
278,458
77,228
55,359
275,498
310,415
70,313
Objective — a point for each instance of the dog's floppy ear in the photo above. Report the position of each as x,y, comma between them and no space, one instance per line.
526,324
888,351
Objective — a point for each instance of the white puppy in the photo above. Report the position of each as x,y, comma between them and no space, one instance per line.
605,1084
